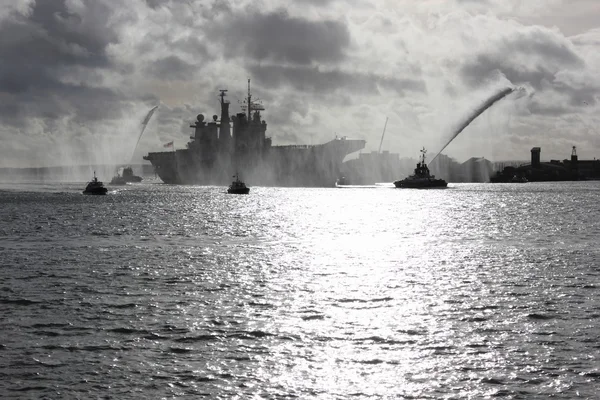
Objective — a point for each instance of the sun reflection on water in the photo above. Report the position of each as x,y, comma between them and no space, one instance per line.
471,291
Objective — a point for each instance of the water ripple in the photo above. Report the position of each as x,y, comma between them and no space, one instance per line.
160,291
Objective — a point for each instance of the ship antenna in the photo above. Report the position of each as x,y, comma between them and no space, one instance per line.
222,95
384,126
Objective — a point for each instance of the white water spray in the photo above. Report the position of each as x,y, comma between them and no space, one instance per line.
144,124
476,113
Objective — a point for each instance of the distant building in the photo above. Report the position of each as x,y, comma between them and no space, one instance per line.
555,170
535,157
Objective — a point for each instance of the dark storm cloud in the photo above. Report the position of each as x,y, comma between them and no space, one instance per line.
320,3
90,32
190,45
154,3
547,109
522,62
82,103
279,37
41,52
486,67
288,137
174,122
533,58
171,68
281,114
316,80
541,43
582,95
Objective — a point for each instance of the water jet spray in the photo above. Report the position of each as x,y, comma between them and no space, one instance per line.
144,124
477,112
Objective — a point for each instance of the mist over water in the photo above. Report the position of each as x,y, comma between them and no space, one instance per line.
103,149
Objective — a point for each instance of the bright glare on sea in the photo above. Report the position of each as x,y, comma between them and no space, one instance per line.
159,291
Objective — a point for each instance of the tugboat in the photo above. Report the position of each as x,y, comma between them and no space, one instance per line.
238,187
95,187
518,179
341,181
129,176
421,179
125,177
118,180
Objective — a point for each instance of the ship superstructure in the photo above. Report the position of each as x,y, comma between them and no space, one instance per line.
221,147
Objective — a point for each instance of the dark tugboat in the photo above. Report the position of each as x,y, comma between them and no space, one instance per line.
341,181
421,179
118,180
95,187
238,187
125,176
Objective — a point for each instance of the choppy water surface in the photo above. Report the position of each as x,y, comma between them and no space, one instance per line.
159,291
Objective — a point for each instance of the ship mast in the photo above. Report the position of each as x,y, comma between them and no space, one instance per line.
222,95
249,102
252,106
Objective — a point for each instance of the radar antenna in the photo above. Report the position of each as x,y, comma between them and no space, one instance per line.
222,96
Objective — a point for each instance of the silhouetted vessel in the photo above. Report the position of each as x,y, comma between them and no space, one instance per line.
95,187
126,176
421,179
118,180
238,187
518,179
342,181
209,156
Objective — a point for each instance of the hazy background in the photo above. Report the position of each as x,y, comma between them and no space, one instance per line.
78,76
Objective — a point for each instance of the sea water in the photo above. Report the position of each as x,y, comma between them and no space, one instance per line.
160,291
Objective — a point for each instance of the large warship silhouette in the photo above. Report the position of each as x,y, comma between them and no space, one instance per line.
220,148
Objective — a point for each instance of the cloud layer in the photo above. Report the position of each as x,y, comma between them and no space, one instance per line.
78,76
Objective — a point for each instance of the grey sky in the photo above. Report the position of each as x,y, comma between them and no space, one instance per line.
78,76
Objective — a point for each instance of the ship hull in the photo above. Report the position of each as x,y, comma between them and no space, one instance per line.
290,166
421,184
239,191
95,192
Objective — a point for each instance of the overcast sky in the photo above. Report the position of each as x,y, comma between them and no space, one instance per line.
77,77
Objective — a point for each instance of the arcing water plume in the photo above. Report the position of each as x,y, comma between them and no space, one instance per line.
144,124
476,113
